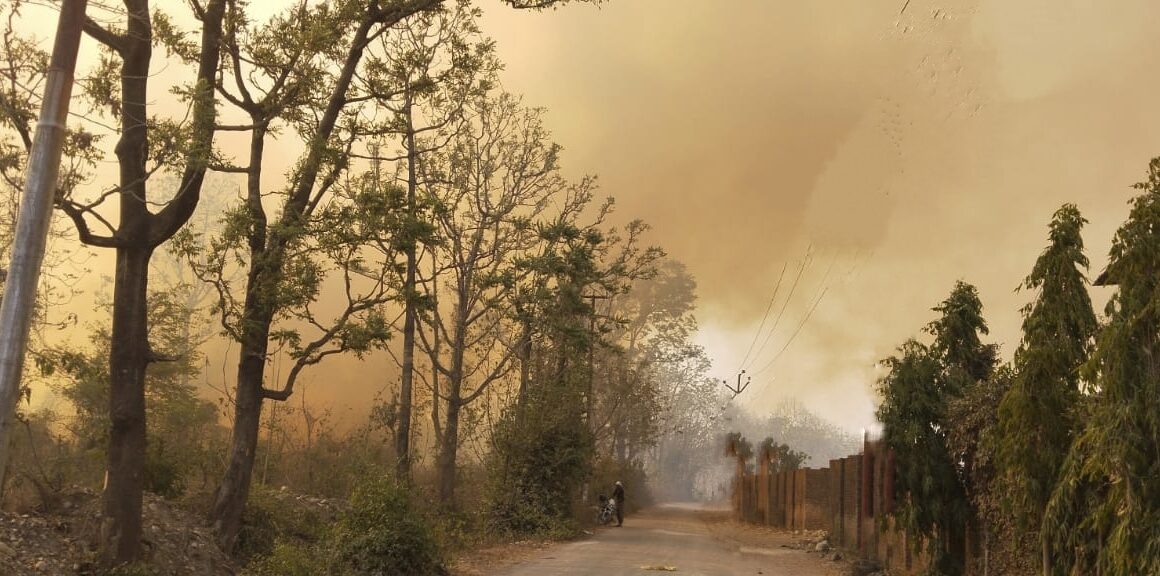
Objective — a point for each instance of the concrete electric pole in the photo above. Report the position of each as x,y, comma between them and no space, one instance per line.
35,217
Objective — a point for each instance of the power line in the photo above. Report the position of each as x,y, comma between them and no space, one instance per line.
761,327
817,300
801,270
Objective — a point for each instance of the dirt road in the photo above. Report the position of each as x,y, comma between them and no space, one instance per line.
688,540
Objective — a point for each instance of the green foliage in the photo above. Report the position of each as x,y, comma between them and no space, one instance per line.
974,435
1037,417
912,413
607,471
1104,515
42,464
269,520
737,446
936,476
780,457
182,427
289,559
964,358
542,454
173,39
384,532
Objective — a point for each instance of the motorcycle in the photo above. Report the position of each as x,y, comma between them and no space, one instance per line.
607,512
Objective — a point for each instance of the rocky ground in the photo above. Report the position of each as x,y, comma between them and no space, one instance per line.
64,542
818,542
178,542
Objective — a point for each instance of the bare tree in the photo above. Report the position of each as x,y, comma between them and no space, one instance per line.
497,177
439,62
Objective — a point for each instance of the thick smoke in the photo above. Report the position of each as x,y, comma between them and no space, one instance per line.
910,147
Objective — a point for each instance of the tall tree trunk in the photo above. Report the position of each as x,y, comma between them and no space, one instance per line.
434,355
403,438
128,357
447,456
128,353
35,219
267,255
436,397
235,487
230,502
1046,554
137,235
449,453
525,357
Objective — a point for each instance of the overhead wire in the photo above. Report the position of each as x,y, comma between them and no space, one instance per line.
793,287
768,308
824,287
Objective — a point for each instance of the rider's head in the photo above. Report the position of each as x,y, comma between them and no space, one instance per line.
618,483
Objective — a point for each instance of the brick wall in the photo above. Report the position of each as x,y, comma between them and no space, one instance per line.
850,498
816,499
851,513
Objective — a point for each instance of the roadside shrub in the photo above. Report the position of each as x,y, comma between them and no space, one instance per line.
542,454
42,465
385,533
268,521
287,559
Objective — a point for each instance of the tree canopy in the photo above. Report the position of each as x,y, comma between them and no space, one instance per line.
1038,415
1104,513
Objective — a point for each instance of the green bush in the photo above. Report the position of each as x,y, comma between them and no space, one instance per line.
463,529
288,559
267,521
543,453
163,476
384,533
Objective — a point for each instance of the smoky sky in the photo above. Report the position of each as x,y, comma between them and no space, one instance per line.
890,152
901,149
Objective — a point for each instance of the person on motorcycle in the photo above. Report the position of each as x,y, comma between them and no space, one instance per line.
618,494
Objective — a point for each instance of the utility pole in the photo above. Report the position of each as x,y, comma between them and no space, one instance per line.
35,216
592,356
592,298
737,390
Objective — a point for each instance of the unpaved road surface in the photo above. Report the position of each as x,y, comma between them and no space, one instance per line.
686,540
